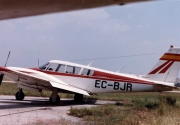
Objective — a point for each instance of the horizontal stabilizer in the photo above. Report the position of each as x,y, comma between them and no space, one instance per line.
165,84
172,91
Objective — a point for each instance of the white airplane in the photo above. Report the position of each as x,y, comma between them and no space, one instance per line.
21,8
61,76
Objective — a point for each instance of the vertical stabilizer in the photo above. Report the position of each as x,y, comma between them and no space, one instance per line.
167,68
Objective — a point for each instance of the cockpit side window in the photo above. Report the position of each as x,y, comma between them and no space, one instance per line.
52,67
87,72
43,67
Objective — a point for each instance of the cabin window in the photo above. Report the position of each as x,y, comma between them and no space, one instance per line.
77,70
69,69
60,68
72,69
87,72
91,72
43,67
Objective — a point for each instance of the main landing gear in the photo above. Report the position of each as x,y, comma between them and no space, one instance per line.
54,98
19,95
78,97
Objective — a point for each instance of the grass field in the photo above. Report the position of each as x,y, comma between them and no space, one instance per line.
130,109
137,109
136,114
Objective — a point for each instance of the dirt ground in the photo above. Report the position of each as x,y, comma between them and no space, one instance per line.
37,110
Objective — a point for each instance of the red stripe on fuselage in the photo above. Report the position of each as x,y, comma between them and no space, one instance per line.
101,76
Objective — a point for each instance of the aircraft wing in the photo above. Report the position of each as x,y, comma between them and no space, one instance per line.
22,8
28,80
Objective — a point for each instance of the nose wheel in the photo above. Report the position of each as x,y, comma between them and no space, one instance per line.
19,95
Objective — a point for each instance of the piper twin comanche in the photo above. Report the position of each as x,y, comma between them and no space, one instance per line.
61,76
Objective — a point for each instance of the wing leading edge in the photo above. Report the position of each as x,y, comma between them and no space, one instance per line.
35,81
22,8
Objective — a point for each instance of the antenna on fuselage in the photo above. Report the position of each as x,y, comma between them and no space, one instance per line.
120,69
38,62
7,58
90,63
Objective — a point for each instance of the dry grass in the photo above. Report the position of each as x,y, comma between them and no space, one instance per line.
130,109
141,112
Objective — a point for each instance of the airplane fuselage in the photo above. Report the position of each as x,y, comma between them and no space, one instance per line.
101,81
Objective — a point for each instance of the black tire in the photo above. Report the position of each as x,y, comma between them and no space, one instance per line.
56,101
78,97
19,95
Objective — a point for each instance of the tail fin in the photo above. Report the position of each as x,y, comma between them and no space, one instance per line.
167,68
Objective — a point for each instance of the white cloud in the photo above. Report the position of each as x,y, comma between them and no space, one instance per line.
94,19
90,34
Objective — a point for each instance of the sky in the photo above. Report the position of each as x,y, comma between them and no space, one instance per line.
86,35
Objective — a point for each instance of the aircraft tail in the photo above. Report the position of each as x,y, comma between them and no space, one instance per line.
167,68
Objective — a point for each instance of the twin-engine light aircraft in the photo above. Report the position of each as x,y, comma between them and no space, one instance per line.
61,76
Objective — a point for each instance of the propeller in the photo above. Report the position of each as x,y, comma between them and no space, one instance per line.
2,75
1,78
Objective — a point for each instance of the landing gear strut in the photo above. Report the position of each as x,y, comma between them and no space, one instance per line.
19,95
78,97
54,98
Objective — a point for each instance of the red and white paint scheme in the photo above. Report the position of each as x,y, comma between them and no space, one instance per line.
61,76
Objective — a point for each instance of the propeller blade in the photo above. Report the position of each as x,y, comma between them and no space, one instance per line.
1,78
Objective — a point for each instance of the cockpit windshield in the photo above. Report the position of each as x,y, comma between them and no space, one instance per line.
43,67
70,69
54,67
